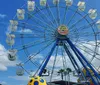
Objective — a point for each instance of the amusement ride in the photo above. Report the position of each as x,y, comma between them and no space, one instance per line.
49,35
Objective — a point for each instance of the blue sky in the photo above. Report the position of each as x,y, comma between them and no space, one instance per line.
7,12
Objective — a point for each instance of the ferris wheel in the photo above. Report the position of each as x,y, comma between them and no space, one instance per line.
48,35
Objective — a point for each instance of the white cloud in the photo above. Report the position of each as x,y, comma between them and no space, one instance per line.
59,61
4,62
21,78
2,15
3,67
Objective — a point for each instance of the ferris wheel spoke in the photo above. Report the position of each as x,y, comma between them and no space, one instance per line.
88,38
36,54
33,55
84,39
85,27
92,51
74,31
64,18
98,68
89,43
87,34
28,45
27,54
74,35
36,26
77,30
32,33
40,20
93,44
72,17
49,14
35,63
58,60
54,63
64,58
29,37
49,9
92,55
30,26
78,21
82,49
43,26
37,22
45,16
23,35
58,14
82,33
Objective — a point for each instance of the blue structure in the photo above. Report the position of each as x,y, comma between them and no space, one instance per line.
64,40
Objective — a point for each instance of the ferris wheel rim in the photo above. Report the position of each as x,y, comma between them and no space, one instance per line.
74,10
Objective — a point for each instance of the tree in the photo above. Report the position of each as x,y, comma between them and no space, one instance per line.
64,72
61,72
68,71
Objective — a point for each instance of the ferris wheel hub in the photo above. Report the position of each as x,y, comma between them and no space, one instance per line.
63,30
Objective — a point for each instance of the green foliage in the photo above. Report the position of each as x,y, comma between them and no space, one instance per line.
64,72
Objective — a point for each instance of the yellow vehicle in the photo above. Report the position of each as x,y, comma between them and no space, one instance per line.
37,81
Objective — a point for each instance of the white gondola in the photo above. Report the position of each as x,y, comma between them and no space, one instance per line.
12,36
13,25
20,70
10,39
92,13
69,2
98,24
43,2
31,5
20,14
55,2
81,6
12,55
